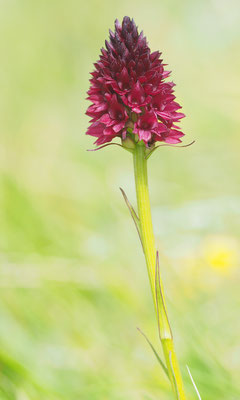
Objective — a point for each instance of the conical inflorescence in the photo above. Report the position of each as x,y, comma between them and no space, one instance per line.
129,94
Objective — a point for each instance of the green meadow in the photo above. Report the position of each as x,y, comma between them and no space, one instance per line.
73,281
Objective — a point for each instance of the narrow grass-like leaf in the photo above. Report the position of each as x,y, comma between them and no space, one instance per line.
163,323
175,381
155,352
133,214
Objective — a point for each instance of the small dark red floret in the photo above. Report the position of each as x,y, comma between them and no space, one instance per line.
128,91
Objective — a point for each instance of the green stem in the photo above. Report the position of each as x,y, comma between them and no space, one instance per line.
148,241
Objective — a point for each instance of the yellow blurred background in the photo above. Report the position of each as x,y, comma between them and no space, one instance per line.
73,280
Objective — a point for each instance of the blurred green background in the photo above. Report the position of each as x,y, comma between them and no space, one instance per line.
73,282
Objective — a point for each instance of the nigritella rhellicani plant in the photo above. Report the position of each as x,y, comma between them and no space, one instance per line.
133,100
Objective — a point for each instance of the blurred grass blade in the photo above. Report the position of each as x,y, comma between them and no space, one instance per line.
194,384
155,352
133,214
163,323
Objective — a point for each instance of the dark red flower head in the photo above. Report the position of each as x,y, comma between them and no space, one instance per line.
129,94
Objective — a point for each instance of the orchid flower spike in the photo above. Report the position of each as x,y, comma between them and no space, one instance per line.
129,93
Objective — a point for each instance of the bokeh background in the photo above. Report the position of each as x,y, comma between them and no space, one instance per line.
73,282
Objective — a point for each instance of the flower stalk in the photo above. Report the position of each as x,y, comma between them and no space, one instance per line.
151,256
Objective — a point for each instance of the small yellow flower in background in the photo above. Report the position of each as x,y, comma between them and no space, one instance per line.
221,253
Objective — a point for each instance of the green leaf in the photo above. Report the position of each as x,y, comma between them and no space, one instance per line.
156,354
133,214
173,373
163,323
